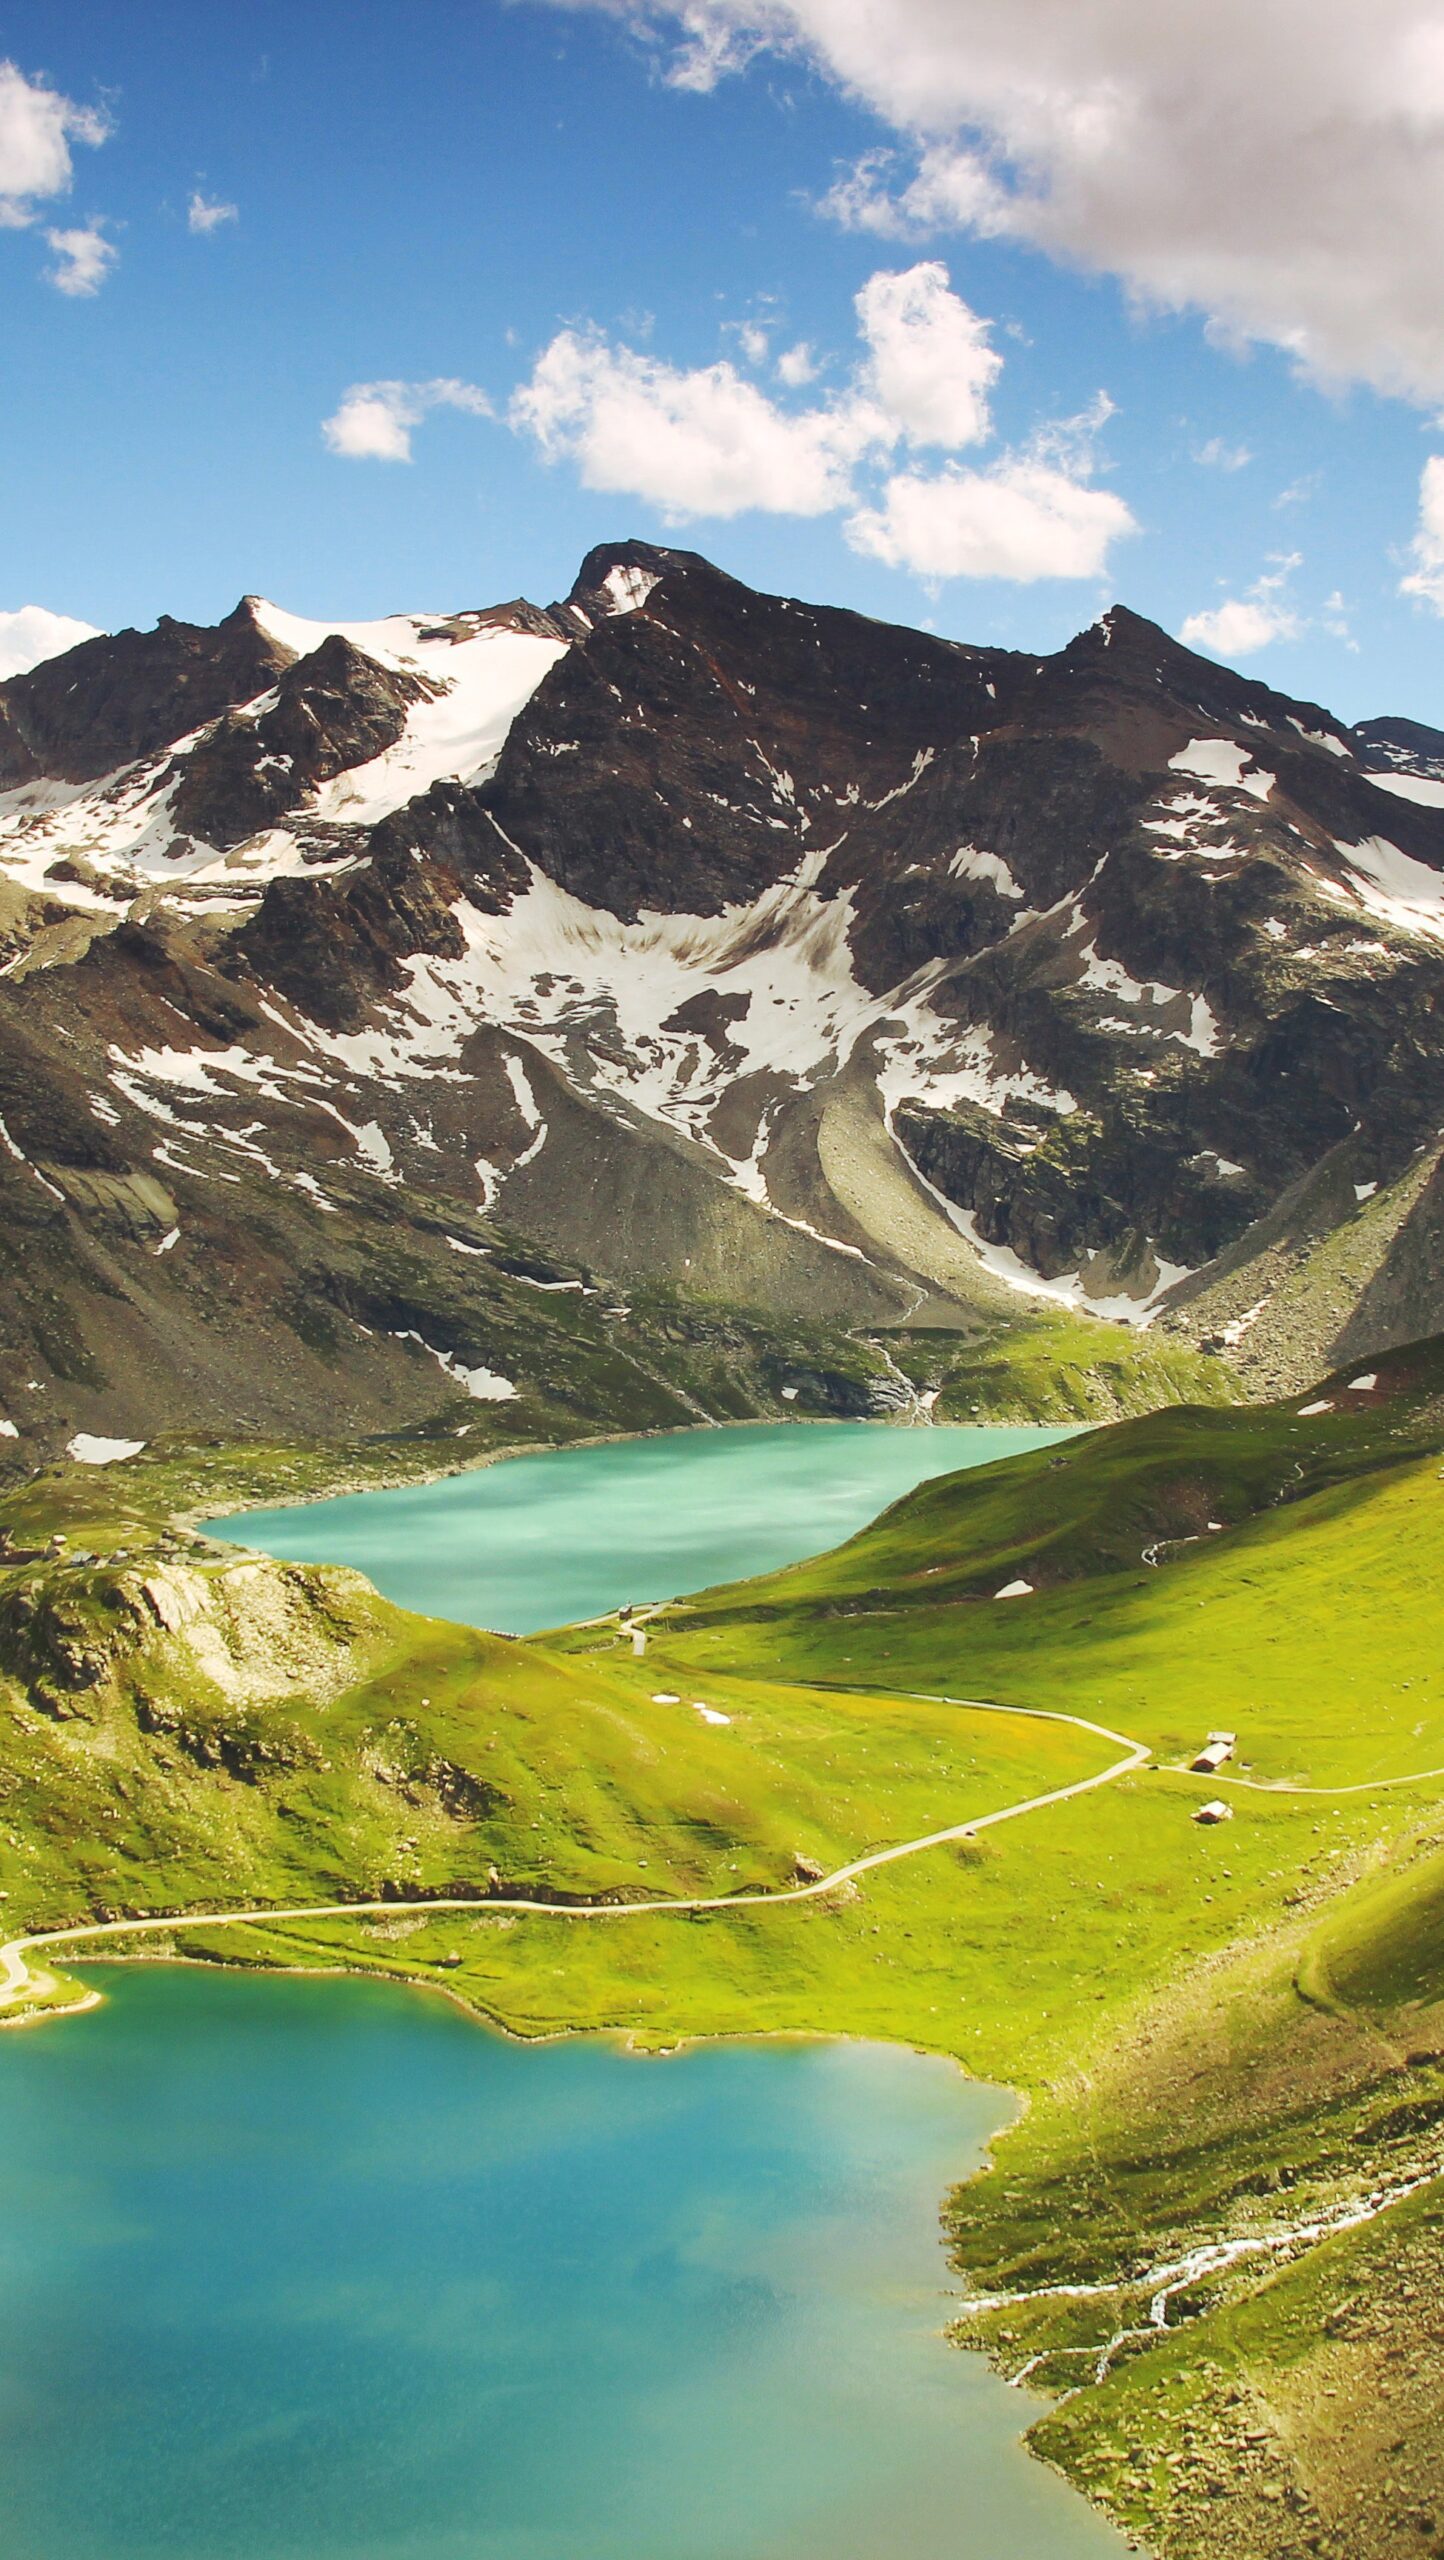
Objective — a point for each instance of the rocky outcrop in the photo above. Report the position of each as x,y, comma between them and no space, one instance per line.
1401,746
120,697
330,711
245,1634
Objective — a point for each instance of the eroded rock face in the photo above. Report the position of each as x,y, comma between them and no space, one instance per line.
674,759
129,694
1399,746
331,711
702,935
336,946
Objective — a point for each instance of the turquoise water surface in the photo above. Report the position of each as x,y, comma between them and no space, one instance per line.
536,1541
299,2270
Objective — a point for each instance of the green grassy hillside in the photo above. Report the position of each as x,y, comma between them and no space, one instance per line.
1059,1367
1112,1499
1230,2033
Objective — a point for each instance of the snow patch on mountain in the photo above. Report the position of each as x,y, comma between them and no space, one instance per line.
1411,786
627,588
928,1063
1070,1289
119,824
970,862
1393,886
1234,1333
479,674
526,1103
487,1385
659,1018
92,1449
1198,1031
483,683
1222,761
1327,738
122,828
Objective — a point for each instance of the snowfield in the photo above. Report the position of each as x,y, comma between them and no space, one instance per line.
482,677
479,675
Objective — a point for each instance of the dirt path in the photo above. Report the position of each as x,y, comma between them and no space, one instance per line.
1287,1786
16,1979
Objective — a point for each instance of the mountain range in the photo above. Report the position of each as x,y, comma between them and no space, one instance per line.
460,1010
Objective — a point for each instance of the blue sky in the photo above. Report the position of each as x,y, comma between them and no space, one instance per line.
467,203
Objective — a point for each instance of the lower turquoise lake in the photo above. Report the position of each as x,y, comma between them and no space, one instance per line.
532,1542
298,2269
320,2270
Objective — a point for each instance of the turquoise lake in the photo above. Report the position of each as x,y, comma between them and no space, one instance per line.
532,1542
321,2270
302,2270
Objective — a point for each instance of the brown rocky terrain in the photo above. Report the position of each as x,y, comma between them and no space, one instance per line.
687,936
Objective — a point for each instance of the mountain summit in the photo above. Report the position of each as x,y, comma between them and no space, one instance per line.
684,934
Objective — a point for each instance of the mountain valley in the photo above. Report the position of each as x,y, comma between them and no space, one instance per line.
427,1040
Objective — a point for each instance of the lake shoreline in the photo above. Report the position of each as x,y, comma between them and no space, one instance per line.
990,1440
634,1518
197,1523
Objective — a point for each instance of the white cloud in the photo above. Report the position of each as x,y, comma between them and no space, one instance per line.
1021,519
930,366
37,127
709,49
1335,618
1238,628
1278,168
31,633
951,191
1243,624
1426,579
1069,442
708,442
797,366
83,259
205,214
1219,455
700,443
375,420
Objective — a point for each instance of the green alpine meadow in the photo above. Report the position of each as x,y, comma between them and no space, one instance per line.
1215,2211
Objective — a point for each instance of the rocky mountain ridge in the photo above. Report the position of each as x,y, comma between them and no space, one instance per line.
679,934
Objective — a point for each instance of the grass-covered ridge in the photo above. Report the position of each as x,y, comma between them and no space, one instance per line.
1113,1500
1221,2032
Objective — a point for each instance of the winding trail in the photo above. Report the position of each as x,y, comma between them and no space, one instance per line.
1288,1786
17,1980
